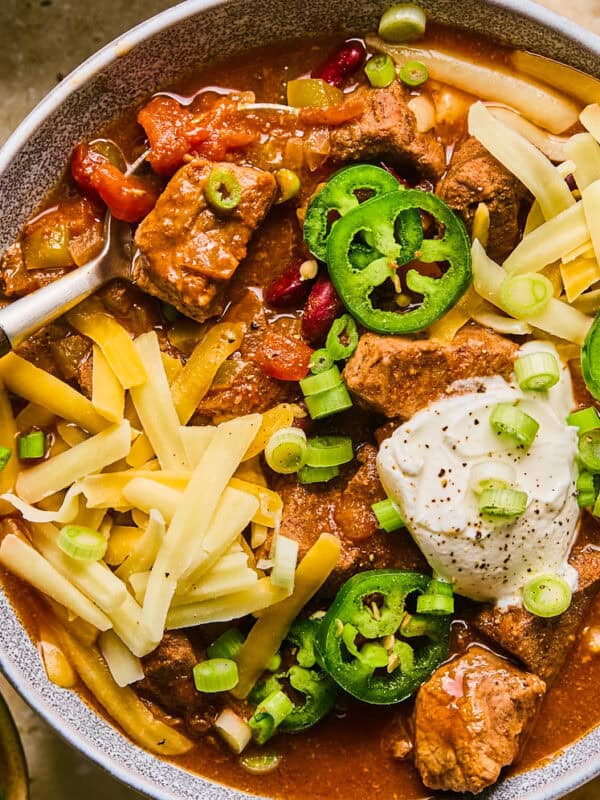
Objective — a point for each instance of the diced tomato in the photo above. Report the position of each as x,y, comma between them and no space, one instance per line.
166,123
283,358
128,197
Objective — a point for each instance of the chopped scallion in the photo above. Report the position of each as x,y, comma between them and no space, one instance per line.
5,454
511,421
547,596
586,419
284,563
31,445
491,475
507,503
329,451
274,663
537,371
589,450
435,604
523,296
260,764
317,474
329,402
388,515
286,450
228,645
380,71
82,544
586,490
322,382
438,586
414,73
269,715
216,675
402,23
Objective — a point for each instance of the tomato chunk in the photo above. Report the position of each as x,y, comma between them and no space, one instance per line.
283,358
128,197
166,122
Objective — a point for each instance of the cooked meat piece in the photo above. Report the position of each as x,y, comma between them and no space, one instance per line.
474,177
187,252
243,387
543,644
169,682
311,510
387,129
471,718
397,376
16,280
62,352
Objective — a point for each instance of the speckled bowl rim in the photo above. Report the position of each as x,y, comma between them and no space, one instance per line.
84,729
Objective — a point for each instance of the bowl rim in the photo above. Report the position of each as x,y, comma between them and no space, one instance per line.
88,69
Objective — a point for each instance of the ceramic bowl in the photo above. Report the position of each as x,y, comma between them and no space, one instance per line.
131,67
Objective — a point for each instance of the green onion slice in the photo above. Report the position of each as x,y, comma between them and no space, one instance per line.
547,596
507,503
222,190
31,445
260,764
216,675
228,645
402,23
327,403
274,663
317,474
537,371
285,560
380,71
589,450
511,421
388,515
586,419
82,544
269,715
438,586
586,490
320,361
342,339
288,183
491,475
315,384
524,296
414,73
5,454
285,451
440,604
329,451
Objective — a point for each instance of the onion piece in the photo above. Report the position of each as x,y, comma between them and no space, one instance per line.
552,146
539,103
568,79
521,158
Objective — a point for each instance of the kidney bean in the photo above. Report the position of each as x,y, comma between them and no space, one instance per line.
342,63
289,290
570,181
394,174
321,309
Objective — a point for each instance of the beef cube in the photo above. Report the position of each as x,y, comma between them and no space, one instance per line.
474,177
187,253
471,718
16,280
387,130
544,644
397,376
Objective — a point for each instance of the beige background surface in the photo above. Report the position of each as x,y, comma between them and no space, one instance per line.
40,42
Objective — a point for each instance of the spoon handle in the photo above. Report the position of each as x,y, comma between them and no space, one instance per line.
28,314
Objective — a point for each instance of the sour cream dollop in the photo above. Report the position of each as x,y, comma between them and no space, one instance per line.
425,467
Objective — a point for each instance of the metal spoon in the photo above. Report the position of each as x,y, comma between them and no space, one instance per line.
28,314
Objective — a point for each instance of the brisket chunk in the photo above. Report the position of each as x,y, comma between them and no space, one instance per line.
544,644
397,376
343,507
476,177
471,718
387,129
187,252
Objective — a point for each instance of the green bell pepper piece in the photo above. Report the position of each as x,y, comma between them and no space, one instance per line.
340,196
372,672
396,240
